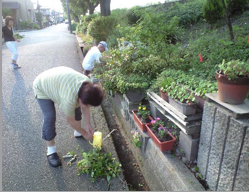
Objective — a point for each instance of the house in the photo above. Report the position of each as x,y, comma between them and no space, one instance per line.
22,10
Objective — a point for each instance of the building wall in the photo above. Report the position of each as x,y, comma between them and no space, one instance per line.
23,12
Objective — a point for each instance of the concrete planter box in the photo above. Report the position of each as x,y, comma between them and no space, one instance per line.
163,146
186,109
135,95
141,125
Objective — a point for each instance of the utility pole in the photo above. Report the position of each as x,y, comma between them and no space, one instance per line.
39,14
68,16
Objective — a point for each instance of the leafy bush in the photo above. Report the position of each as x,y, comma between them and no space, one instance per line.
98,164
36,26
101,27
86,38
133,16
213,10
237,5
188,13
234,69
6,12
26,24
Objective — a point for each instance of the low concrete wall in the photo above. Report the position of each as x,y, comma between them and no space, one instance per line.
223,157
162,171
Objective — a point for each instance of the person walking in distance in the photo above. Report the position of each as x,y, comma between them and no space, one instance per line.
7,32
93,56
73,92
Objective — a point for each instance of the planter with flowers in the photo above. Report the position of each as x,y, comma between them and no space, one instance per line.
142,117
161,135
182,99
233,81
136,139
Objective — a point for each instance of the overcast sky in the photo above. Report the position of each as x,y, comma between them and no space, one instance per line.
56,4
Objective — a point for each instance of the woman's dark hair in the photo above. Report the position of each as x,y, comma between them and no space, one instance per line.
7,20
90,94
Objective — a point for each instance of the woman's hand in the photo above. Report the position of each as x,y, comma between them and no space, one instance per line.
17,40
90,129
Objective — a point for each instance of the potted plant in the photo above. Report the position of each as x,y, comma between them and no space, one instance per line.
142,117
133,86
161,135
136,138
182,99
233,81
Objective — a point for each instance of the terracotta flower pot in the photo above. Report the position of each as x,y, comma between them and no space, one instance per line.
163,146
164,95
232,91
138,121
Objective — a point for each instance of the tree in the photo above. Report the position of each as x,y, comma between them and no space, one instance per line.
213,11
105,7
6,12
227,15
92,4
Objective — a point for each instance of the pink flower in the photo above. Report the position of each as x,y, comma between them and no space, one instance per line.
158,119
201,59
153,121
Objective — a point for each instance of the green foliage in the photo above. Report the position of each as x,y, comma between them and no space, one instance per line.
157,123
98,164
86,38
18,36
237,5
194,83
26,24
234,69
163,132
36,26
213,10
188,13
133,16
136,138
181,93
101,27
143,112
6,12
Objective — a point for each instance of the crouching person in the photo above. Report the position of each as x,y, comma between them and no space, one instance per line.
73,92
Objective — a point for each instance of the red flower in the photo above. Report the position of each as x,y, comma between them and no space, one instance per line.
201,59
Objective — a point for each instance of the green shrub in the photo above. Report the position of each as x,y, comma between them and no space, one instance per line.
213,10
133,16
101,27
237,5
26,24
188,13
6,12
36,26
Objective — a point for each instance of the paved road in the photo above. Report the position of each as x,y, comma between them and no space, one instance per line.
24,163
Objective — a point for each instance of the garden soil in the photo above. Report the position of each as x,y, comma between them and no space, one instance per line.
132,172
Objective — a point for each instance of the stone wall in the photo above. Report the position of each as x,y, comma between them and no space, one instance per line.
162,171
223,156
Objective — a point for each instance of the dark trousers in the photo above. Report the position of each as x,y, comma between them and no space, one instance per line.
49,118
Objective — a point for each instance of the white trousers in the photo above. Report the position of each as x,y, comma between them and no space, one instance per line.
12,46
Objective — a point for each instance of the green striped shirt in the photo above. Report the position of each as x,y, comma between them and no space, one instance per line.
61,85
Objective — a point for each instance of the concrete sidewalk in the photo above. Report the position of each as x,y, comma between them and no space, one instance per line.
24,163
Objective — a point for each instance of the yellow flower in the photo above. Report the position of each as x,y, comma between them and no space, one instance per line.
139,108
144,108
